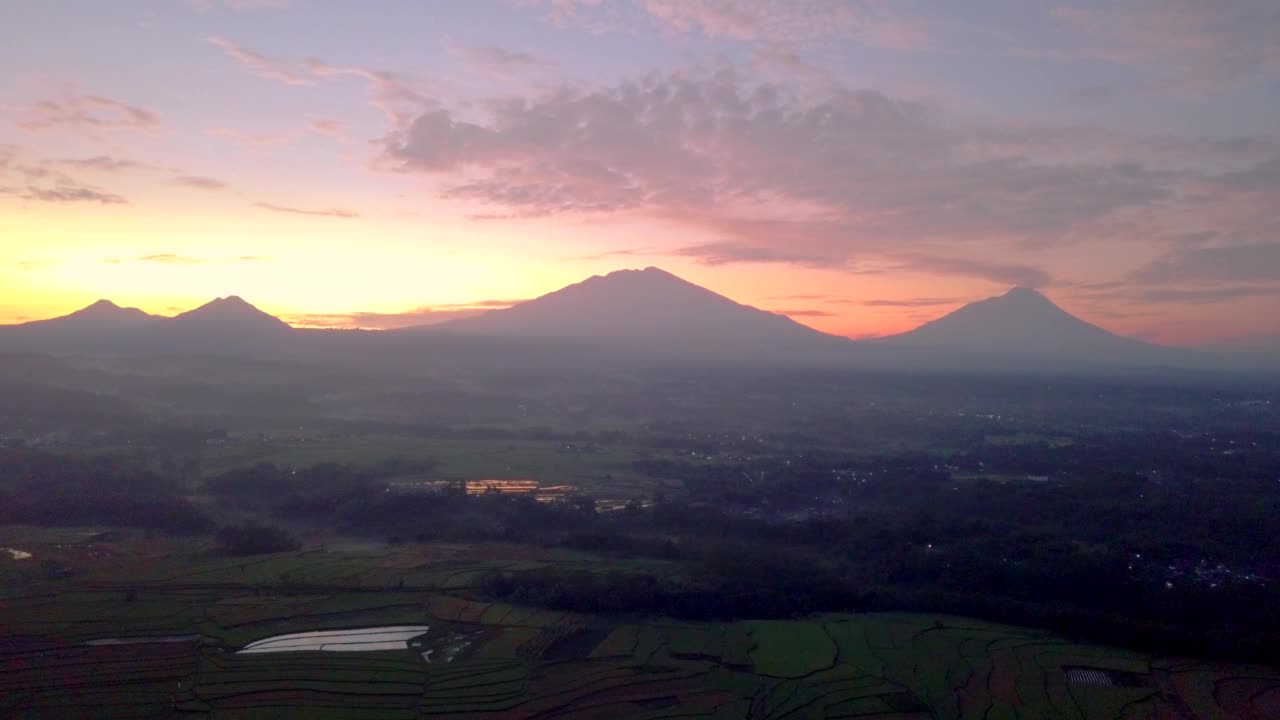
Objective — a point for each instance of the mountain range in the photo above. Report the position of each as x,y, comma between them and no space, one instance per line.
228,313
641,315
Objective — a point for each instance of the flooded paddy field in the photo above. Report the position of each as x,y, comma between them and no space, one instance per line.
533,488
353,640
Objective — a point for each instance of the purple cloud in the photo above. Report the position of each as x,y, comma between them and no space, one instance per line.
814,181
1202,46
497,61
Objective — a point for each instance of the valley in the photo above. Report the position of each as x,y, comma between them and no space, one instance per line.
199,513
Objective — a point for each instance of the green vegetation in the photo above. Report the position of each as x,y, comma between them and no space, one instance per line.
498,660
718,545
791,650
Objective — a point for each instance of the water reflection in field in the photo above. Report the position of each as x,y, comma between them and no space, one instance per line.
355,640
479,487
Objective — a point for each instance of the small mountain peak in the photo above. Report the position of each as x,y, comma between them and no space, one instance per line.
228,303
101,314
1025,297
650,274
105,309
1023,292
651,270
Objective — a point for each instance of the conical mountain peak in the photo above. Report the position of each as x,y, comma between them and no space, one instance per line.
651,311
228,312
106,311
1023,322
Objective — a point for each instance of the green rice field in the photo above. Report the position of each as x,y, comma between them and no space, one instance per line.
178,618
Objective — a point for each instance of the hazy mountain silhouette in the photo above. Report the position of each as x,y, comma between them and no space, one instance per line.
229,314
1023,323
652,311
625,318
226,325
103,315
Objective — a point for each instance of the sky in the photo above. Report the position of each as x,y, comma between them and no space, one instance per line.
862,166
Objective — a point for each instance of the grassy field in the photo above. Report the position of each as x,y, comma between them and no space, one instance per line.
494,660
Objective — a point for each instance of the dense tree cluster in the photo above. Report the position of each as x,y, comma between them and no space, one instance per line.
251,538
40,488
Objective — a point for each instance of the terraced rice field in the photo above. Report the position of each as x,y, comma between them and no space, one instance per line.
192,643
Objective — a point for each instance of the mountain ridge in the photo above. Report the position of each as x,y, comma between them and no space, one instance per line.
633,315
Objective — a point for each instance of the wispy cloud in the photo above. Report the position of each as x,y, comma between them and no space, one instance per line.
497,61
1199,47
923,302
73,194
393,94
249,139
868,22
170,258
806,313
240,5
177,259
1198,296
34,264
1003,273
162,258
326,126
729,253
200,183
89,113
624,252
418,317
44,172
103,163
259,64
1258,263
320,212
